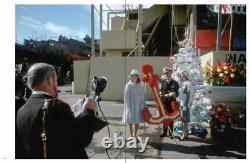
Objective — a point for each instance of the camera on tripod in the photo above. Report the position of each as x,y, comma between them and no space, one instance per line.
98,86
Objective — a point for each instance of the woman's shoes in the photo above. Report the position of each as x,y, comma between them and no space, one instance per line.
183,137
171,136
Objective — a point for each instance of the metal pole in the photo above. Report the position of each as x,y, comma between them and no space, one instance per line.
218,40
92,31
231,30
194,24
171,36
108,22
100,30
140,29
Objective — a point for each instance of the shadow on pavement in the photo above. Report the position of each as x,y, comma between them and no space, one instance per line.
202,150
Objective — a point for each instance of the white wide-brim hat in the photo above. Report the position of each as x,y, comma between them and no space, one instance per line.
134,72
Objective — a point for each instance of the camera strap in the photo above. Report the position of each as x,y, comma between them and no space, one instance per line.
45,108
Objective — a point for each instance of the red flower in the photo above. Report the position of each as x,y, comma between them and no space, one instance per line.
225,79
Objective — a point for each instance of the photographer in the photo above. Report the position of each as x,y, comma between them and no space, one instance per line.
66,135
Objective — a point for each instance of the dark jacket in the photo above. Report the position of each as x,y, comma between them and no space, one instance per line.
19,147
66,135
166,87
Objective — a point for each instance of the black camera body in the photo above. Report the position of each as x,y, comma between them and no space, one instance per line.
98,86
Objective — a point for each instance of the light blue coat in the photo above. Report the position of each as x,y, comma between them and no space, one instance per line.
133,103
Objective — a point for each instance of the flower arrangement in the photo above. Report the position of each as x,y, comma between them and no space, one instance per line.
221,120
224,74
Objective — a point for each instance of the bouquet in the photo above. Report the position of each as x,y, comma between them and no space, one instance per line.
221,121
224,73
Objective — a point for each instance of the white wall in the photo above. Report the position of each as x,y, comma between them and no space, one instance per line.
116,40
113,69
81,73
116,23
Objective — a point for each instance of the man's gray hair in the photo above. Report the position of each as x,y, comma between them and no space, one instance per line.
38,73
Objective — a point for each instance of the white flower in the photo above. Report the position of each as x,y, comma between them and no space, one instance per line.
221,75
225,72
233,70
225,67
218,70
232,75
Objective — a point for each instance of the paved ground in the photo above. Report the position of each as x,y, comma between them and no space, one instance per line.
157,148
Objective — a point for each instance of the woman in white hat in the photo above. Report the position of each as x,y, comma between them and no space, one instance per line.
133,103
186,94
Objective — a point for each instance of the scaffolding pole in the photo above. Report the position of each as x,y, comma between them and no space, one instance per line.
100,30
231,31
92,31
218,40
140,29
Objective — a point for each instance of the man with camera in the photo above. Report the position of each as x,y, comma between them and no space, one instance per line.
55,132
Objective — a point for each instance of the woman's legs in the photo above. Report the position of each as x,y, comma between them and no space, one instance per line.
136,129
133,133
185,121
186,128
131,129
185,131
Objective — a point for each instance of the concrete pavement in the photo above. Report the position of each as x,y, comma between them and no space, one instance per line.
157,148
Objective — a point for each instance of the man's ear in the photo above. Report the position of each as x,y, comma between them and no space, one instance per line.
50,81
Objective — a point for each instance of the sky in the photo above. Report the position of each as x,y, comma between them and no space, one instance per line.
49,21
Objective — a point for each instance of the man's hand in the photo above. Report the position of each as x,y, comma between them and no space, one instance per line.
171,94
89,104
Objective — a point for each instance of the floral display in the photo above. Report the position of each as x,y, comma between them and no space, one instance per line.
204,112
221,121
224,73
